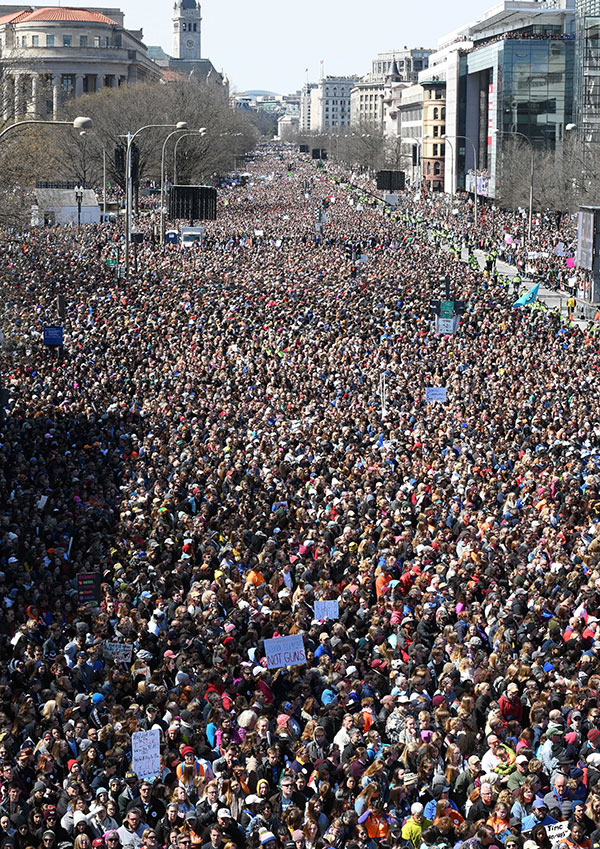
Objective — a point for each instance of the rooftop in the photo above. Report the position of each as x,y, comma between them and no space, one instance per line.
57,13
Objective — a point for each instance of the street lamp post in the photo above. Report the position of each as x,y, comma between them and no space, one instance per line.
179,129
182,125
80,123
476,166
78,201
447,141
531,173
569,129
83,133
419,144
200,133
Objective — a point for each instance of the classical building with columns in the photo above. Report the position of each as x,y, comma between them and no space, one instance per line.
49,54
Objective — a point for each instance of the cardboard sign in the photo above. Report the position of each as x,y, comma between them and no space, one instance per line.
88,587
557,832
119,652
53,336
435,393
145,753
327,609
285,651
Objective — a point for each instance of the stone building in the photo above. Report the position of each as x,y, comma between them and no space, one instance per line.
49,54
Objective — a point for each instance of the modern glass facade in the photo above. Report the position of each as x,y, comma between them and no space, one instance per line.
588,70
519,85
536,89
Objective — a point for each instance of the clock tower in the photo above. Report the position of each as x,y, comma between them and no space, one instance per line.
186,29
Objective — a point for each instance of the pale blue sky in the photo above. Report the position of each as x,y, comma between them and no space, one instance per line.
268,44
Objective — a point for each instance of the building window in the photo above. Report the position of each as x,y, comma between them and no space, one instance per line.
49,41
436,131
436,114
437,168
442,150
184,27
435,150
67,40
35,41
195,27
23,41
96,41
83,41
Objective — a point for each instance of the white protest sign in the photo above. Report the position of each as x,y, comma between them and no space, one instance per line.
285,651
557,832
145,753
446,326
435,393
119,652
327,609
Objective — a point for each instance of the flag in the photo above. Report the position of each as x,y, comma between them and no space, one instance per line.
528,297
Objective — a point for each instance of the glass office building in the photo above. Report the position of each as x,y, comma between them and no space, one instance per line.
588,70
521,84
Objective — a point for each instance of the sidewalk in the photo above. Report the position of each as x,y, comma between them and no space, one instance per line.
553,298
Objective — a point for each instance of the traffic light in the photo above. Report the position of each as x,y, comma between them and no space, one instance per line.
120,159
353,272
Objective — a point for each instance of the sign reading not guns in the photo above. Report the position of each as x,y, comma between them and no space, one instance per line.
285,651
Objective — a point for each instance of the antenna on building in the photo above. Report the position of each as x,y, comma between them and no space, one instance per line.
322,69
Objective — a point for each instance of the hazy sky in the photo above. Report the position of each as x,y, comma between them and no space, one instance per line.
269,43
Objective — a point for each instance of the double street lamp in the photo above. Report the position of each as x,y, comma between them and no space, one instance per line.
181,125
201,132
475,166
531,172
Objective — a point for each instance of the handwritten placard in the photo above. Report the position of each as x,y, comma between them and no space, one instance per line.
285,651
145,753
119,652
557,832
327,609
435,393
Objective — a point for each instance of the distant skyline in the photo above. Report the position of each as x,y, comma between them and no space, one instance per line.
268,45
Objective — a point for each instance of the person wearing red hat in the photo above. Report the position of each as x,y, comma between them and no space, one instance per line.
189,769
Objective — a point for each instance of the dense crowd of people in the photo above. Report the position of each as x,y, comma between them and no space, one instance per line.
210,443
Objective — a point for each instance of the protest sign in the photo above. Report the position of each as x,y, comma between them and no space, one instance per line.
557,832
119,652
53,336
435,393
327,609
285,651
88,587
145,753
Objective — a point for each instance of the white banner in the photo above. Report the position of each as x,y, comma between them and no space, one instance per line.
285,651
145,753
327,609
